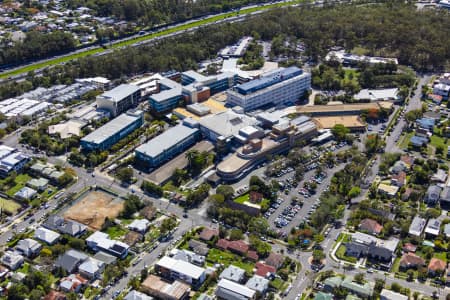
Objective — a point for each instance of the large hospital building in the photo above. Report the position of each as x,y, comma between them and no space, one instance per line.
284,85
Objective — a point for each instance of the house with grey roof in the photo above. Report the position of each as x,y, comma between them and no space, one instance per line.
46,235
12,260
258,284
38,184
105,257
70,260
331,283
433,228
233,273
417,226
135,295
91,268
447,230
364,290
25,194
433,194
230,290
139,225
57,223
28,247
390,295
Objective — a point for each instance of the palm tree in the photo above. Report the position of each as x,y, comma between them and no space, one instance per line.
191,155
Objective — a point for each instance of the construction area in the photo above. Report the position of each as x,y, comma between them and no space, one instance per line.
354,123
92,209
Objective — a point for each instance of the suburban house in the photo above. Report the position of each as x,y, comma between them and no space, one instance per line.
439,176
38,184
161,289
410,260
45,235
238,247
25,194
364,291
390,295
374,248
433,228
258,284
417,226
447,230
370,226
436,266
198,247
70,260
408,247
275,260
398,179
264,270
12,260
91,268
72,283
445,196
233,273
433,194
208,234
387,189
28,247
135,295
140,225
55,295
229,290
188,256
57,223
101,241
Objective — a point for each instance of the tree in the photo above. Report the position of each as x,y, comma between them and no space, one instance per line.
167,225
226,190
131,206
318,256
354,192
151,188
18,291
258,226
125,174
340,131
178,176
236,234
359,278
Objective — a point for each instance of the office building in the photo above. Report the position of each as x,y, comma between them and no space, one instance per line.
119,99
113,131
167,145
194,88
225,124
281,86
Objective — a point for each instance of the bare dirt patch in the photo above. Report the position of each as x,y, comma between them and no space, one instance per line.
93,208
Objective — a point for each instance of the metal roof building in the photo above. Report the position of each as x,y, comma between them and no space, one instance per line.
167,145
230,290
110,133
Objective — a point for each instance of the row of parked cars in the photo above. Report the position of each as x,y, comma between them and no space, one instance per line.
287,215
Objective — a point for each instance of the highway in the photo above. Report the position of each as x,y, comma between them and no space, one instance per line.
150,36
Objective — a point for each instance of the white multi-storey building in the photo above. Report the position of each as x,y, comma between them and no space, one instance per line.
284,85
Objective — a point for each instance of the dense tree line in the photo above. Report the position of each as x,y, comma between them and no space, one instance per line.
157,12
413,36
37,45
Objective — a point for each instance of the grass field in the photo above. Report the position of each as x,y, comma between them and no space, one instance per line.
115,232
404,140
174,29
340,253
21,180
227,258
241,199
10,206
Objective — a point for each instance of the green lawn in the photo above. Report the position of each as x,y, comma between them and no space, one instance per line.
340,253
242,198
178,28
404,140
10,206
441,255
227,258
116,232
20,181
24,269
277,283
439,141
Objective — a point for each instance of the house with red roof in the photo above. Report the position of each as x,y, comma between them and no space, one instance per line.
239,247
252,255
370,226
275,260
436,266
264,270
399,179
208,234
408,247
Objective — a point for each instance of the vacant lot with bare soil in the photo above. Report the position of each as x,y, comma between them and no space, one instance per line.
93,208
